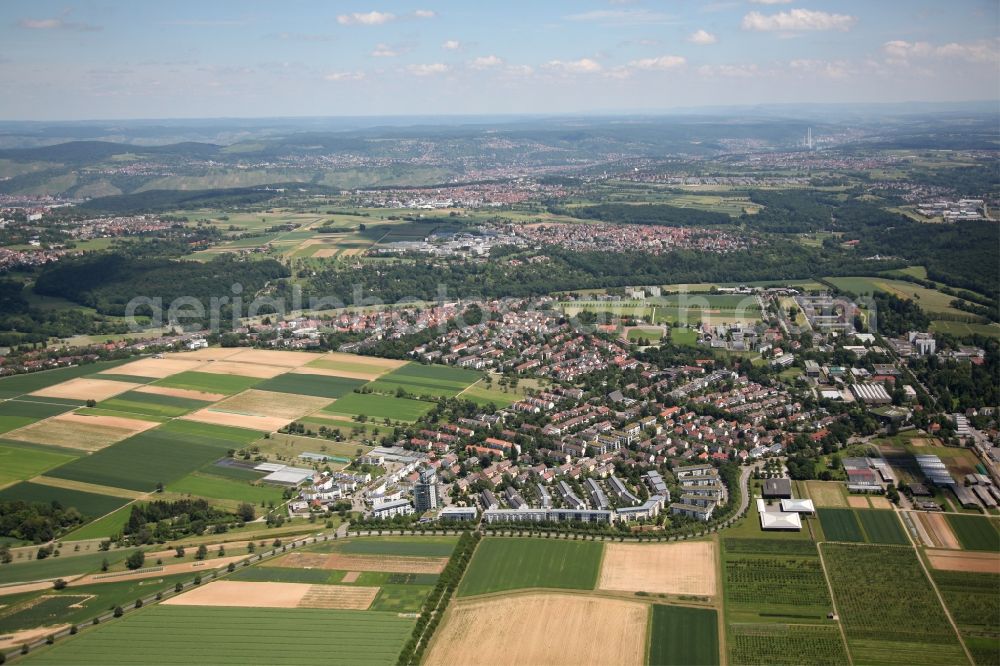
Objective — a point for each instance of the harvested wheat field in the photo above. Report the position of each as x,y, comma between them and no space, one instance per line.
243,369
249,421
84,388
542,629
384,364
286,406
78,431
157,367
937,528
328,372
393,563
243,594
6,590
858,501
351,576
182,393
826,494
277,595
285,359
325,253
879,502
673,568
951,560
28,636
207,354
346,597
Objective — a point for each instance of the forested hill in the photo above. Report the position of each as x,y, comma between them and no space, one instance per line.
656,214
85,152
107,282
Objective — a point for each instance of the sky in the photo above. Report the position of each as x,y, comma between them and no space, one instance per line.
114,59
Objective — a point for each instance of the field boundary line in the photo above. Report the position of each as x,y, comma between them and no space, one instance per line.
833,602
937,593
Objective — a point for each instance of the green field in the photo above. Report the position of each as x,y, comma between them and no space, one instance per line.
766,580
196,635
423,547
89,504
680,636
103,527
882,527
513,564
379,406
151,404
931,301
20,463
975,606
434,380
17,413
975,532
401,598
53,567
314,385
201,484
479,394
209,382
651,334
785,645
684,336
840,525
887,606
19,384
161,455
76,604
962,329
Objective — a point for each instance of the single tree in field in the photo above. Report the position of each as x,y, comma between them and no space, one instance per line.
135,560
202,552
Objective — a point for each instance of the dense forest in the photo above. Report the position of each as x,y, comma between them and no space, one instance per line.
567,271
108,282
655,214
162,520
36,522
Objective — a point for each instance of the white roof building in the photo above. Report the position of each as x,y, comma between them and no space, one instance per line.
798,506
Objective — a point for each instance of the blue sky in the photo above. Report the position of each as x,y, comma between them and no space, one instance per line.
218,58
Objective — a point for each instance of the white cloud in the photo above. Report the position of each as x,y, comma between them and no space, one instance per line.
771,2
451,45
344,76
623,17
662,62
702,38
730,71
900,52
57,24
581,66
428,69
486,62
520,70
384,51
796,20
830,69
366,18
424,13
